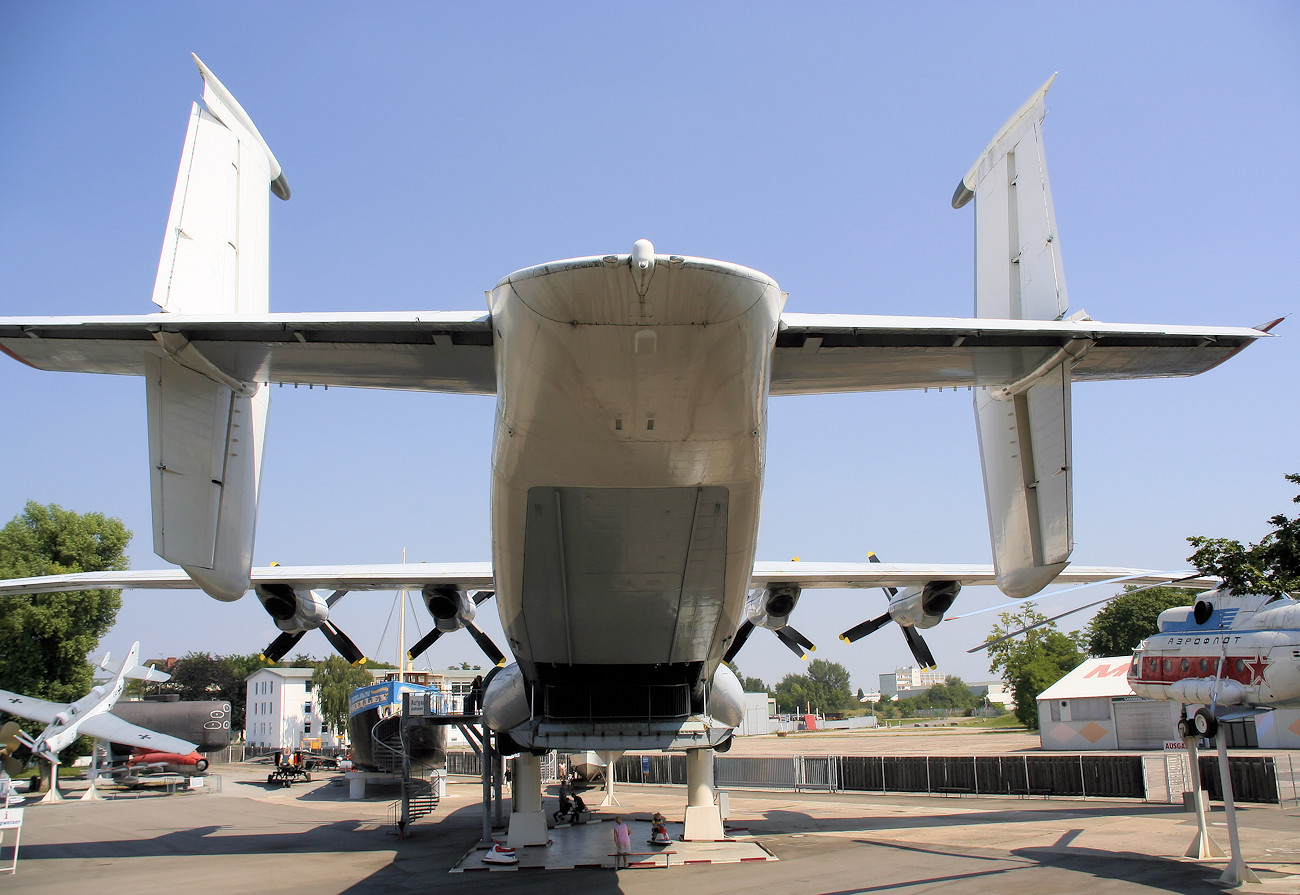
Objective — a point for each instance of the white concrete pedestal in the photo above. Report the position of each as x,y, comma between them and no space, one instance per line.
527,819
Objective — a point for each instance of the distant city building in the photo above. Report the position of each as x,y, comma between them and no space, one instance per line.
911,680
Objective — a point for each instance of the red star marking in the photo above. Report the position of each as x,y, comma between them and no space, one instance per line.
1256,669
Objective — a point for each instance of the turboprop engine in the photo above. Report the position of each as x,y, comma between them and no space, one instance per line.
293,611
770,608
453,610
923,607
916,607
296,611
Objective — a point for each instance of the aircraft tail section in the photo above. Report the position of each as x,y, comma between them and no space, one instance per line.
1024,425
206,427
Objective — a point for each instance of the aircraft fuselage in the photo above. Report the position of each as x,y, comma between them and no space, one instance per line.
627,464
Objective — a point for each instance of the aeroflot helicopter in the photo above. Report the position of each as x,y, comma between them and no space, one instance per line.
1234,654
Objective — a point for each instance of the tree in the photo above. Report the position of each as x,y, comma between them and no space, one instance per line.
44,638
334,680
1032,661
825,687
202,676
1270,567
749,684
1131,617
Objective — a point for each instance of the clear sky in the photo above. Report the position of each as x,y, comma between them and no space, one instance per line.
433,148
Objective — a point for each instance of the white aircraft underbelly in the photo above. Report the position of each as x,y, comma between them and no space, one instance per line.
628,458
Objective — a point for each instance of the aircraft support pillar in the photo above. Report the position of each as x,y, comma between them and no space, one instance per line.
1237,872
1203,847
609,759
53,794
527,819
703,819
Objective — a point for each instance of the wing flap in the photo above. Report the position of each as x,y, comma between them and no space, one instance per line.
817,354
441,352
869,575
381,576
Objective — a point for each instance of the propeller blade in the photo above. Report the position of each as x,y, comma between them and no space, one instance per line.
13,767
483,596
891,591
795,646
280,646
485,643
742,634
342,643
9,736
425,642
857,632
800,639
917,644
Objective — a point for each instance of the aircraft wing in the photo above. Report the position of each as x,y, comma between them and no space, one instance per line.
394,576
472,576
29,707
434,351
109,727
902,575
818,353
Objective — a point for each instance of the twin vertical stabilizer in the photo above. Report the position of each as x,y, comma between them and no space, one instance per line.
206,428
1024,426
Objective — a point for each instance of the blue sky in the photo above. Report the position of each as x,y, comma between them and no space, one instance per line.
434,148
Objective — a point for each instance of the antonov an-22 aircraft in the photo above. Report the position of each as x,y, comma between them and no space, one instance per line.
628,456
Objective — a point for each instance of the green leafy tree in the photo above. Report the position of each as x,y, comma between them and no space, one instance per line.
749,684
951,695
44,638
825,687
1032,661
1270,567
1131,617
202,676
334,680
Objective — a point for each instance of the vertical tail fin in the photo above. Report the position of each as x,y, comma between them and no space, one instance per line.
206,429
1024,426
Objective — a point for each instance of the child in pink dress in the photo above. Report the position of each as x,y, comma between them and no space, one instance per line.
622,841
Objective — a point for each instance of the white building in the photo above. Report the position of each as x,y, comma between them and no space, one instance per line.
283,712
910,680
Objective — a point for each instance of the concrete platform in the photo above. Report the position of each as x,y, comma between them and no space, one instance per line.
311,837
591,846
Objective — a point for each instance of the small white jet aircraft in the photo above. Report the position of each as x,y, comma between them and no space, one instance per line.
90,716
1233,654
631,419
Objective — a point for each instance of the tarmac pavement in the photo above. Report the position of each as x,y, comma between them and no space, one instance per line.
249,838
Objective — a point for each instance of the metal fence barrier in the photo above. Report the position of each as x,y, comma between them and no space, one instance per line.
1254,778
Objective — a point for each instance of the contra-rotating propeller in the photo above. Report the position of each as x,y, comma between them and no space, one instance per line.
453,610
8,743
297,611
770,608
914,608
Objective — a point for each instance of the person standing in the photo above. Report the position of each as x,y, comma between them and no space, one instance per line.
622,841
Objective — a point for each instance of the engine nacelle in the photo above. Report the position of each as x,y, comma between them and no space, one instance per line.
505,699
726,703
451,609
771,608
293,611
923,607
